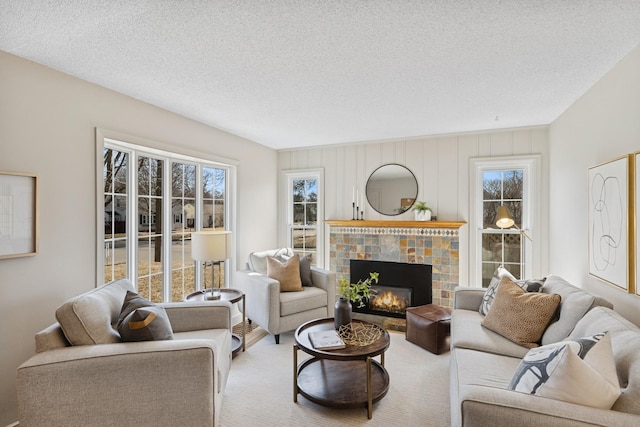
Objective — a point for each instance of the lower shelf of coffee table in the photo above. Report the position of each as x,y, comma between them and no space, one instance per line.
341,384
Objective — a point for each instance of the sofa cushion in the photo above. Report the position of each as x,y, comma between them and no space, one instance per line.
520,316
580,371
142,320
91,318
625,342
575,303
532,285
467,332
258,260
287,273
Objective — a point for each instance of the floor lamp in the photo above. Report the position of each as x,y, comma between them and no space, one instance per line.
211,246
505,220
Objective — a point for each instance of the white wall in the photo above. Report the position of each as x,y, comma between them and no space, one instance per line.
441,166
47,127
602,125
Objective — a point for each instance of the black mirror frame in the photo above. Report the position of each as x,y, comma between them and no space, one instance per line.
400,211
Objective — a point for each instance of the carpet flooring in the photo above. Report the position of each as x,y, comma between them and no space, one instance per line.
259,391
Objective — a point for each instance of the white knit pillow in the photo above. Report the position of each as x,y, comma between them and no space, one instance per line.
581,372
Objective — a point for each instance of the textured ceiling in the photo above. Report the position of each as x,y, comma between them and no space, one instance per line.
304,73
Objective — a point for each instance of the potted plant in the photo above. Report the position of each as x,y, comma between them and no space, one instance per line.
421,211
352,293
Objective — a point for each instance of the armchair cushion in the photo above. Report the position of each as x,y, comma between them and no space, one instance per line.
297,302
91,318
287,273
141,320
258,260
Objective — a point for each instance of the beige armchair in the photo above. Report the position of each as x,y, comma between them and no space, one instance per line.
102,381
277,311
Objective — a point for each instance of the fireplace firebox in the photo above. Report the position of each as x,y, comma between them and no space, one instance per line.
400,286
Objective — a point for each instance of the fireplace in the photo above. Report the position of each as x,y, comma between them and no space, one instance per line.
400,285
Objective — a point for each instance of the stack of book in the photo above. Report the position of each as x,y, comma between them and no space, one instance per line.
326,340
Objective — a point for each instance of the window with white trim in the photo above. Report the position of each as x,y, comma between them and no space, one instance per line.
509,182
172,195
305,212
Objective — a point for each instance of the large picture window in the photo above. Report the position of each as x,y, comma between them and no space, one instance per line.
170,196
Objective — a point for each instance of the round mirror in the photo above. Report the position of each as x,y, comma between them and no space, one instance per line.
392,189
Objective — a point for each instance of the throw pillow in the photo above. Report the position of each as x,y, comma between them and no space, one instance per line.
305,270
532,285
520,316
581,371
258,260
490,292
288,273
142,320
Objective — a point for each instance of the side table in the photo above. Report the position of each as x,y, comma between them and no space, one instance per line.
233,296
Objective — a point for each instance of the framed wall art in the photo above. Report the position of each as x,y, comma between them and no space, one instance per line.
18,214
608,220
635,256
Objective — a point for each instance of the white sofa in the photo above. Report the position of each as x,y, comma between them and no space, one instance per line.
483,363
106,382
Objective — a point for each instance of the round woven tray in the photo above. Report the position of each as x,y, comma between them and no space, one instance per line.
359,334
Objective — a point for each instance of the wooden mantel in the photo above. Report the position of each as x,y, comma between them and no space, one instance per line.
387,223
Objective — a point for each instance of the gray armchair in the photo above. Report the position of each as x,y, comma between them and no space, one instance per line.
277,311
87,376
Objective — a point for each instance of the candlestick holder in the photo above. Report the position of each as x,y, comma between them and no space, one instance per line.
362,215
354,212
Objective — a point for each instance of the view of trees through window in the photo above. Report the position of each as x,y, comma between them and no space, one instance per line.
304,231
193,199
501,247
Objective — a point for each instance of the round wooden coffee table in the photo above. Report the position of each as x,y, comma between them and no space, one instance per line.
343,378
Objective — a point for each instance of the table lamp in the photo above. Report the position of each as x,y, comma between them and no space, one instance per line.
211,246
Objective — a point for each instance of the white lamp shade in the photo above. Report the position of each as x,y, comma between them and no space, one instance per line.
503,217
211,245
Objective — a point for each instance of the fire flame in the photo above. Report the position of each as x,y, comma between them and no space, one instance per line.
388,301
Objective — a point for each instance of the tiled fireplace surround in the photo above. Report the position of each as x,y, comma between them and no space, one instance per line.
434,243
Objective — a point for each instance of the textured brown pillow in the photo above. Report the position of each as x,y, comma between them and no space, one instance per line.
520,316
288,274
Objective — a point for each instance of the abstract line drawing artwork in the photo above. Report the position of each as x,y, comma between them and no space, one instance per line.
608,218
607,226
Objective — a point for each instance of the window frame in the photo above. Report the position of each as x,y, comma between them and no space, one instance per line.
135,146
288,176
531,213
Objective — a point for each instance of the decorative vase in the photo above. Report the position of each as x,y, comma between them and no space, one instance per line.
422,215
342,313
